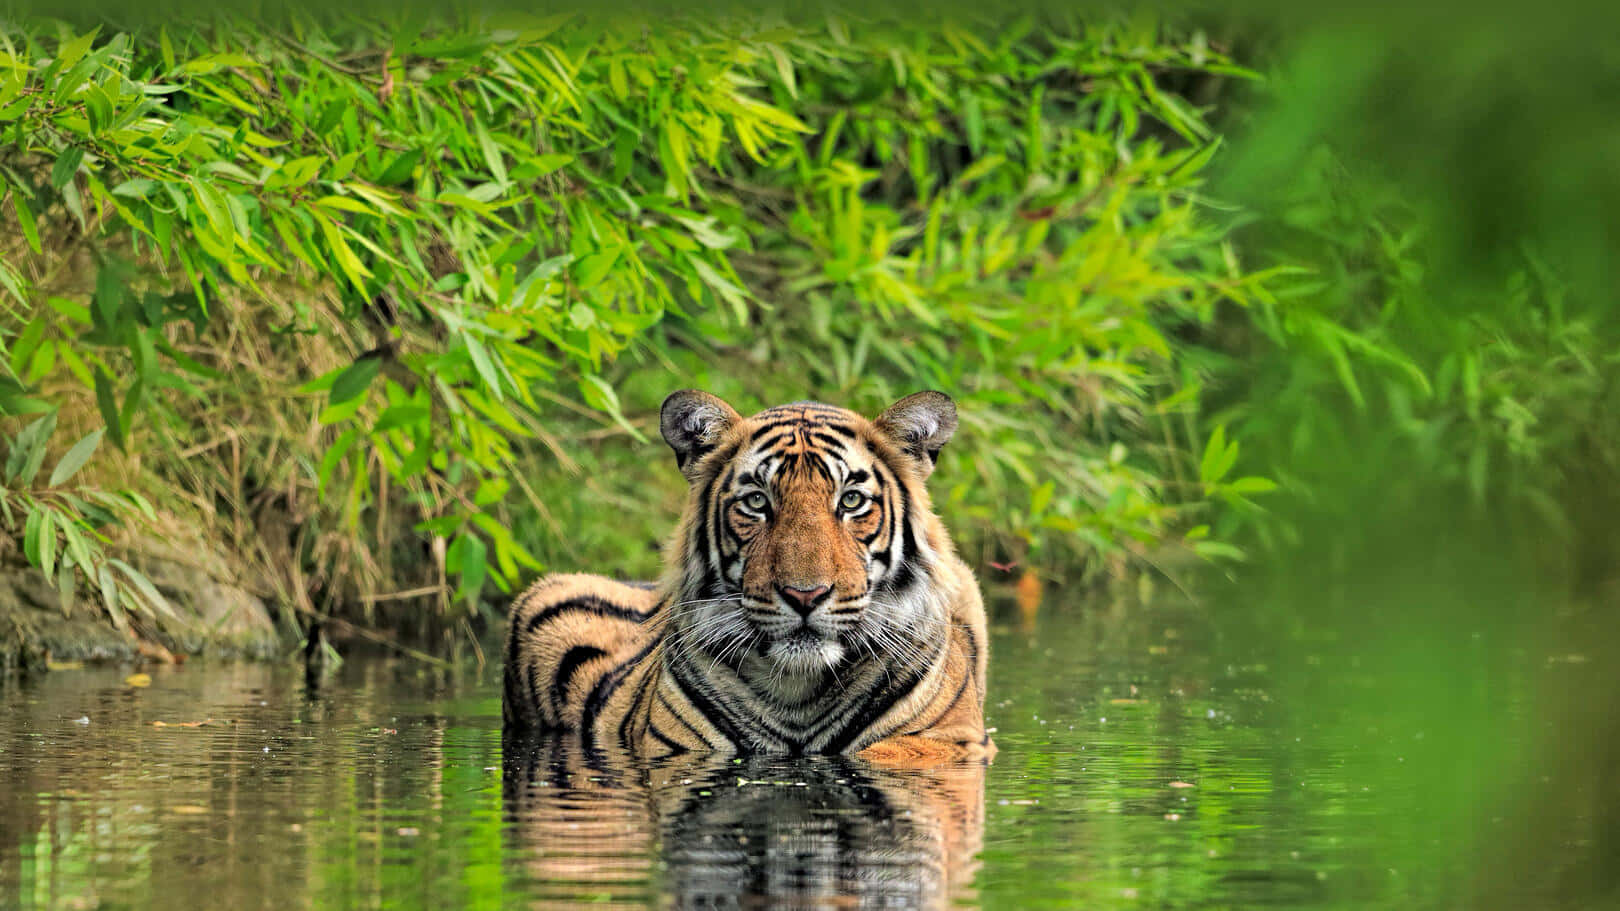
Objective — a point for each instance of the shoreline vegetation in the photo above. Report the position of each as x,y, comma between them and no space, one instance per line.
364,324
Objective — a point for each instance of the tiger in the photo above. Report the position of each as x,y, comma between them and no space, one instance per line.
811,601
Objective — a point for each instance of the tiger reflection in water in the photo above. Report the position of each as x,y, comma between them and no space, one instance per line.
757,831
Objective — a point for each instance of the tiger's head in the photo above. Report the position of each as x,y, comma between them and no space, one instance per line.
808,538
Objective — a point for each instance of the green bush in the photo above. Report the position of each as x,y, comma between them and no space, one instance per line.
353,302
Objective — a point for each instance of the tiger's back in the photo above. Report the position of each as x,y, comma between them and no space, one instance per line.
566,633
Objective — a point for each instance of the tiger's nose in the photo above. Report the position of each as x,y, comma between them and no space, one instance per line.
804,600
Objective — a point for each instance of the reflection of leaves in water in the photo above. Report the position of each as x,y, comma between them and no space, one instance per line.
762,830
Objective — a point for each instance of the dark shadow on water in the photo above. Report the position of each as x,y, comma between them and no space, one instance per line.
759,832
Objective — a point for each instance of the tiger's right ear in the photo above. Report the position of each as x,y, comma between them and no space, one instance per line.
692,422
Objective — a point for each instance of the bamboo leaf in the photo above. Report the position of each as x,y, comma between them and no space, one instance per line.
354,380
75,457
108,406
25,218
28,450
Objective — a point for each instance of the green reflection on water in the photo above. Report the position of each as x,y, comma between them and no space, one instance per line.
1150,757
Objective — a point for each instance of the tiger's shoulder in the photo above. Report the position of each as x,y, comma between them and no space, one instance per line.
566,633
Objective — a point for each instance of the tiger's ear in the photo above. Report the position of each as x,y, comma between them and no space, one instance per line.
692,422
921,424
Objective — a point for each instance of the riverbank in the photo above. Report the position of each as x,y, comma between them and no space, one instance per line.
209,617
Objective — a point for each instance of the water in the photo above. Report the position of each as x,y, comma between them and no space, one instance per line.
1147,760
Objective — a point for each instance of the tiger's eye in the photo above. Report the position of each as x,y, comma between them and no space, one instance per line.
852,499
756,501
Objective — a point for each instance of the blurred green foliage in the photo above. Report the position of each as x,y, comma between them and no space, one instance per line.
1445,356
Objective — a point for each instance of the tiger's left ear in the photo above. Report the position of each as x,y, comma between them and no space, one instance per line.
692,422
921,424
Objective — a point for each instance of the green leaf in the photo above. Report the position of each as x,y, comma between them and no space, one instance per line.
784,70
149,593
109,595
355,379
77,547
590,270
13,283
399,170
108,404
492,153
352,268
1041,498
25,218
135,188
401,416
28,450
109,296
344,204
75,457
1213,550
1218,457
133,397
1252,484
600,395
67,164
471,563
483,364
334,456
72,51
31,534
47,543
336,414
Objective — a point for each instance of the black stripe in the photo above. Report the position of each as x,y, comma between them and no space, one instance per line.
700,529
820,467
674,747
881,479
570,663
587,604
967,677
603,691
904,574
791,424
873,711
710,711
631,714
681,718
512,636
534,693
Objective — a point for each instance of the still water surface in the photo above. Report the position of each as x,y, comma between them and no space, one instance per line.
1145,763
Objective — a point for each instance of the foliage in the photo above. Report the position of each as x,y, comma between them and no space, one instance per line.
62,525
333,289
1015,220
1445,342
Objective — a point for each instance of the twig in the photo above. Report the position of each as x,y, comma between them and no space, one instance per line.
400,596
